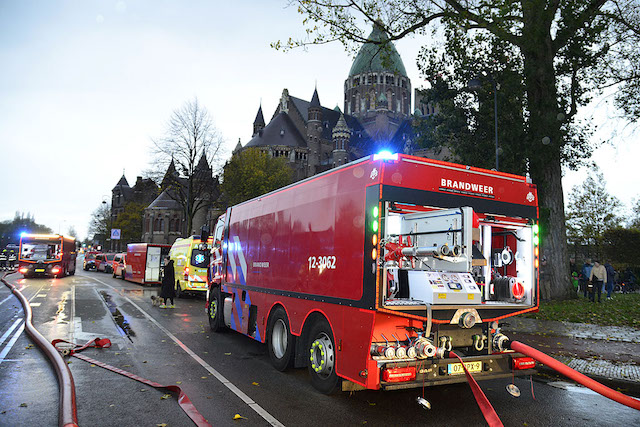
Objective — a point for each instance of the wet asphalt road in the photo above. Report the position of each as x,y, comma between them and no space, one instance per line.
223,374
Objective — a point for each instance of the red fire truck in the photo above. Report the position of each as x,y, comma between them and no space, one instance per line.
374,271
144,262
47,255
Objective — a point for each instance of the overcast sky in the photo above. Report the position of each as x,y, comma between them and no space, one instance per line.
85,85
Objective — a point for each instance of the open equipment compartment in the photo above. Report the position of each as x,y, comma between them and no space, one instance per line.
443,257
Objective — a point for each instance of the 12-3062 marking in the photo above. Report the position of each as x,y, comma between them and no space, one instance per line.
322,262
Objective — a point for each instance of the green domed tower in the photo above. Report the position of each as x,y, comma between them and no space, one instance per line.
377,74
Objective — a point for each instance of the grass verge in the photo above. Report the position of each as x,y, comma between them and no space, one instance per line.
621,310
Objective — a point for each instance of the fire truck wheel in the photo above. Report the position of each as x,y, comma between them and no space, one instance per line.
280,341
122,274
215,311
322,358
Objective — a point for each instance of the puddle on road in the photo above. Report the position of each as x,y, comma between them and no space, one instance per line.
121,321
571,387
61,314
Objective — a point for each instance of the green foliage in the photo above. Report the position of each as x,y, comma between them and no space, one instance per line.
465,122
591,211
620,244
253,173
621,310
130,222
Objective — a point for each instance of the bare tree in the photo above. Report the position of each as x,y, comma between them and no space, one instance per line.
187,152
100,223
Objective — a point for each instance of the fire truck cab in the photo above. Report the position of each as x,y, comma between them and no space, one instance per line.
373,272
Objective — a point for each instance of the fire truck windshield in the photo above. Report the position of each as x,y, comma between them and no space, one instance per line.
40,251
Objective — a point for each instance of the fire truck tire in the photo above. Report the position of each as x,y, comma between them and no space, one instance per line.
122,274
280,341
215,311
322,357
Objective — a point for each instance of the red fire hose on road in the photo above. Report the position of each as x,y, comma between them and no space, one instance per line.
574,375
68,414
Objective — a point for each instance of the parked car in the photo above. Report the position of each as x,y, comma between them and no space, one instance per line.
118,265
89,262
105,262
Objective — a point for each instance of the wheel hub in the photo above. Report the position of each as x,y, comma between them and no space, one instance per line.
213,308
322,355
279,339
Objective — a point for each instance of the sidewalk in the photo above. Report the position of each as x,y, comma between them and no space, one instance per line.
608,354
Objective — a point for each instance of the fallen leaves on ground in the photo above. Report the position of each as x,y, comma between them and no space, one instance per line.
165,396
255,383
23,405
227,354
239,417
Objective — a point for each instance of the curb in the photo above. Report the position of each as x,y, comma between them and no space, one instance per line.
631,388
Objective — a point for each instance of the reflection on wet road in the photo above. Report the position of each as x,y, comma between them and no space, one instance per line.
120,319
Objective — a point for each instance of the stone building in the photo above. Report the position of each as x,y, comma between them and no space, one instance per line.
164,219
376,115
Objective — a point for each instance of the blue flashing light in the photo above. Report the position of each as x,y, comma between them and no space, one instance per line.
385,155
22,234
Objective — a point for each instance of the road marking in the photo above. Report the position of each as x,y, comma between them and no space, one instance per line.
6,334
6,299
41,296
34,304
235,390
11,342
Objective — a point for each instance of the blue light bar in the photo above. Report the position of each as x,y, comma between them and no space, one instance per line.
385,155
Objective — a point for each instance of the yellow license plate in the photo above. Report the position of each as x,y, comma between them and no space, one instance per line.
39,270
456,368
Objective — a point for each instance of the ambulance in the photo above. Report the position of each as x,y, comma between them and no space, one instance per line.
190,261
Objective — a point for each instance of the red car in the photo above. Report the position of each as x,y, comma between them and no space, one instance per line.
89,262
118,265
103,262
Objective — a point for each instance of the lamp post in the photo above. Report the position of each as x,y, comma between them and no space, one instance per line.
108,235
475,85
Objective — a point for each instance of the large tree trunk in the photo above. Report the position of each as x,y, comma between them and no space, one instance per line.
546,168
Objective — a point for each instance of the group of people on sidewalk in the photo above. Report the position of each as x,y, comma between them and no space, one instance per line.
596,278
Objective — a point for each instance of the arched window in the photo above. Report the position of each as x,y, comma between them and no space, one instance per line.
357,102
146,224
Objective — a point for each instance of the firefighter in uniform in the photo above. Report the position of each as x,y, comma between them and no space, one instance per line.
12,260
3,260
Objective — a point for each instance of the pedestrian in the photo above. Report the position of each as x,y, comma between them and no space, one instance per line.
598,278
168,290
3,259
12,260
611,274
585,273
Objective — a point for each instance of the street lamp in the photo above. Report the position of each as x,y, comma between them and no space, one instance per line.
108,236
475,85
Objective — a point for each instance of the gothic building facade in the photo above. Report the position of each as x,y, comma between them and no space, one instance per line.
376,115
164,220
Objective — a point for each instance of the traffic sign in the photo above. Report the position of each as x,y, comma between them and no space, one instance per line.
115,234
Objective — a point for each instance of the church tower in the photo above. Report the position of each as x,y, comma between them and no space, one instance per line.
378,91
314,133
341,135
258,123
